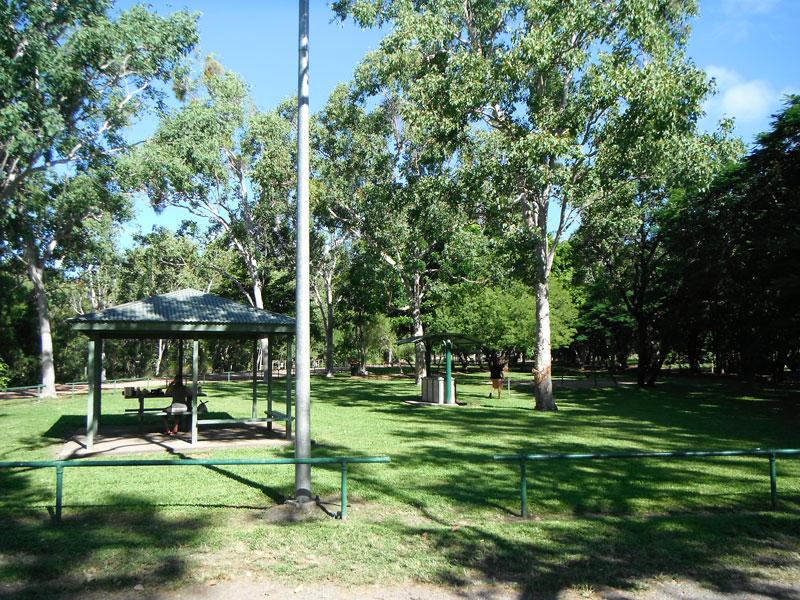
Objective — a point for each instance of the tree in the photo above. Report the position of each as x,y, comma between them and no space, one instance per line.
391,191
622,236
552,80
160,262
229,164
73,79
502,316
364,294
329,266
738,244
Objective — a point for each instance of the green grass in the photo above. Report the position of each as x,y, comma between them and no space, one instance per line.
439,512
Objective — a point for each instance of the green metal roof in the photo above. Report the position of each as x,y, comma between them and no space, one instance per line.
459,340
183,313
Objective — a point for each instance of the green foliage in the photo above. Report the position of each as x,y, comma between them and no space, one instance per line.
555,95
222,159
4,374
17,320
503,317
73,78
739,242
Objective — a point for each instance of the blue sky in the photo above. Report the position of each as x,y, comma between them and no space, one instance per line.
751,47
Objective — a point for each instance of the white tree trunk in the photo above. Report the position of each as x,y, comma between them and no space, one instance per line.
329,368
258,298
543,366
419,354
159,356
48,380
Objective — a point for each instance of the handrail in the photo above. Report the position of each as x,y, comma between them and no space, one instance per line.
60,465
671,454
523,459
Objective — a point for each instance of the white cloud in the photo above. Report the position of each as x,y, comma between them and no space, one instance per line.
748,101
724,77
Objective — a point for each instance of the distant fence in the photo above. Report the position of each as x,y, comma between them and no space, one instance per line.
524,459
71,387
60,465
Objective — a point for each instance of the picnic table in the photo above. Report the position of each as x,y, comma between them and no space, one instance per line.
142,393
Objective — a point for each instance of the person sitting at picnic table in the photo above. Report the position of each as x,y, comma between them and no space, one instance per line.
496,368
180,405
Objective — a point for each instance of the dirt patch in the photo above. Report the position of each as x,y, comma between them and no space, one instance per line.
291,512
249,587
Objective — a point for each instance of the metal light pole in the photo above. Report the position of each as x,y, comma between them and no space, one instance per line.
302,445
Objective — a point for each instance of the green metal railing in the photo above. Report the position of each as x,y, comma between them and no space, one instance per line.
523,460
60,465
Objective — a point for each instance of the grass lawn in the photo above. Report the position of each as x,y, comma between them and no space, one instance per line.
439,512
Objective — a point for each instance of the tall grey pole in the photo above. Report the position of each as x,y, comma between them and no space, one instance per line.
302,445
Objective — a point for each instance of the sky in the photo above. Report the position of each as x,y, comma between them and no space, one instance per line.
750,47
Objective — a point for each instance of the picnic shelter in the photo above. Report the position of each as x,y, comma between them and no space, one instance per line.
183,315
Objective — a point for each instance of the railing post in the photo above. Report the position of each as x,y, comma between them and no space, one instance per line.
343,512
59,492
523,487
773,481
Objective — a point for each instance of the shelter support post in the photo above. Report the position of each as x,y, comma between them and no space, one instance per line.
179,374
195,365
448,372
98,397
93,373
270,340
288,387
90,422
254,412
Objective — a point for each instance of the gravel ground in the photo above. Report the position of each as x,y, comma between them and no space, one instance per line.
249,588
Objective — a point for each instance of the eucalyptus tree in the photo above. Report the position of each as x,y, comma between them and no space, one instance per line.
73,79
230,165
329,262
622,236
554,81
392,190
161,261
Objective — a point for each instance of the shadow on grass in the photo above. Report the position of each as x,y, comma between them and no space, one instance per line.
95,549
545,558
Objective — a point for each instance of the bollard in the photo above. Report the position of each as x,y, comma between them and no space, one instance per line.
523,488
343,512
59,492
773,481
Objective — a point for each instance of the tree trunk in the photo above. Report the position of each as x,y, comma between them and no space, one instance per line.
329,367
643,352
650,355
362,345
543,364
48,371
419,349
258,299
159,356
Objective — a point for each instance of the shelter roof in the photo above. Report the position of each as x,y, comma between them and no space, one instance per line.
459,340
183,313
